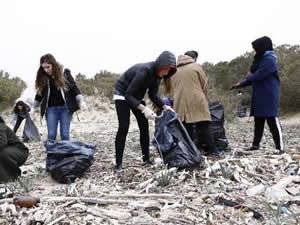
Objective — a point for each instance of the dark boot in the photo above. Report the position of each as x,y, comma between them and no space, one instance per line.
253,148
117,167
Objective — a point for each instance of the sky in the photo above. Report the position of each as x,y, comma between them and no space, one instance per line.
87,36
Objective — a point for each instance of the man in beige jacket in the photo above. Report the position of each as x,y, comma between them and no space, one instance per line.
189,85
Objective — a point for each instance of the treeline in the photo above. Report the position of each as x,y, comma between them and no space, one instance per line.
221,76
11,88
100,85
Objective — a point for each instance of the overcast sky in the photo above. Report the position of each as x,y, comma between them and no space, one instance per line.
87,36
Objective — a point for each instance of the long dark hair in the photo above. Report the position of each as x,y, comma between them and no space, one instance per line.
24,107
57,73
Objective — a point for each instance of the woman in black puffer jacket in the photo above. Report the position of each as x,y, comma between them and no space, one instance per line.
13,154
129,93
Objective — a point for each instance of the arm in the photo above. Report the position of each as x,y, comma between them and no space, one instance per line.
138,81
265,69
74,89
18,123
153,95
37,100
71,83
203,80
244,83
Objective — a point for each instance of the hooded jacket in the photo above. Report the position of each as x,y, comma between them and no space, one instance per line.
71,95
9,138
189,86
13,153
265,87
24,112
140,78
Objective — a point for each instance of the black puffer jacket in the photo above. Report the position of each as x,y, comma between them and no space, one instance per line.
134,83
9,138
70,93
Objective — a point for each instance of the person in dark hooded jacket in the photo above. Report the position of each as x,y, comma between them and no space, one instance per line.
129,92
21,111
13,154
263,77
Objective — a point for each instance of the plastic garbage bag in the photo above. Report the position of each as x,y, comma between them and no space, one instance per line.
173,142
68,160
30,132
217,125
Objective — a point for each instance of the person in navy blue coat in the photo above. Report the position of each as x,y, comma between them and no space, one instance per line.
264,79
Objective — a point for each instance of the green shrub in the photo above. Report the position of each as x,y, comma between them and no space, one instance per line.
101,84
10,89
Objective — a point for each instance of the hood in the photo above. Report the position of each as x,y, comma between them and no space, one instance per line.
184,59
261,45
270,53
166,59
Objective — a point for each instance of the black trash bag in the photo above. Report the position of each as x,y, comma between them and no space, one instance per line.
30,132
241,111
68,160
173,142
217,125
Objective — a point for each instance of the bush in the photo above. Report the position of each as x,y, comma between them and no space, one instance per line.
10,90
101,84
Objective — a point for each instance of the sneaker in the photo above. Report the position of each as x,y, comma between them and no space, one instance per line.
280,152
253,148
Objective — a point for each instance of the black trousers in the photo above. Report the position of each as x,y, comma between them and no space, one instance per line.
123,113
200,133
275,129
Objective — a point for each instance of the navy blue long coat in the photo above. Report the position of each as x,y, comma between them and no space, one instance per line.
265,87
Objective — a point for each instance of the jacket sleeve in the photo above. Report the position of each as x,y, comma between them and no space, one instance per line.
266,68
153,90
3,136
71,83
137,82
18,123
244,83
203,80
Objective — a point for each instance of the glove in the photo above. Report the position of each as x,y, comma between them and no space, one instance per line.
167,107
149,114
82,105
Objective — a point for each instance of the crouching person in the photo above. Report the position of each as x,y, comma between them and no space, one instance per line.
13,154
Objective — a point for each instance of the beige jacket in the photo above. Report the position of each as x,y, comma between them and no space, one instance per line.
189,86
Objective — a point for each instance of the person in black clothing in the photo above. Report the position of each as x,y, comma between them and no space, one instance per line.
13,153
58,95
21,111
129,92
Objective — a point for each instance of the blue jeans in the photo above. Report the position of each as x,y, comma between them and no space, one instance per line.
55,114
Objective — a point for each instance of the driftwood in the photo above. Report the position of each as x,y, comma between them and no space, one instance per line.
57,220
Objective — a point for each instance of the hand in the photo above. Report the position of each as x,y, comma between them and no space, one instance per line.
235,85
149,114
167,107
82,105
